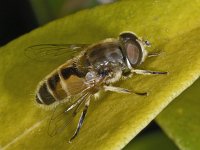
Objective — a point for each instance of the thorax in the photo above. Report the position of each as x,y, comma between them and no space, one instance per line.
105,58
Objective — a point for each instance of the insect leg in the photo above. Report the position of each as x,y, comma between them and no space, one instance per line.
80,123
116,89
147,72
153,54
121,90
57,122
78,102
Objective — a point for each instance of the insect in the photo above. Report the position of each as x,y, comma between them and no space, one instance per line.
96,68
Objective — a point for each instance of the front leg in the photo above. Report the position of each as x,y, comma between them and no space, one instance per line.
153,54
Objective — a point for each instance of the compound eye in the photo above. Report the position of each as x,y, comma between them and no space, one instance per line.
134,54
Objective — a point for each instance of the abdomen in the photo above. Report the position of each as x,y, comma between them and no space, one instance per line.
63,83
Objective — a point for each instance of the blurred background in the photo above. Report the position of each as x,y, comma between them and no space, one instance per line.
21,16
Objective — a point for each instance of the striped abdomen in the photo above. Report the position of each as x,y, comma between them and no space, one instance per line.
66,81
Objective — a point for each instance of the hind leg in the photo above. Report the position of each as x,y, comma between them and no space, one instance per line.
81,120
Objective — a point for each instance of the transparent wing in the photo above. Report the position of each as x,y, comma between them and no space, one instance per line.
43,52
63,116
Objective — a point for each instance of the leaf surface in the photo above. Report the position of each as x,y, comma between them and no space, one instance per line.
151,141
181,120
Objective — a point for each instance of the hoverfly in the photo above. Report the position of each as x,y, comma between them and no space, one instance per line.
96,68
